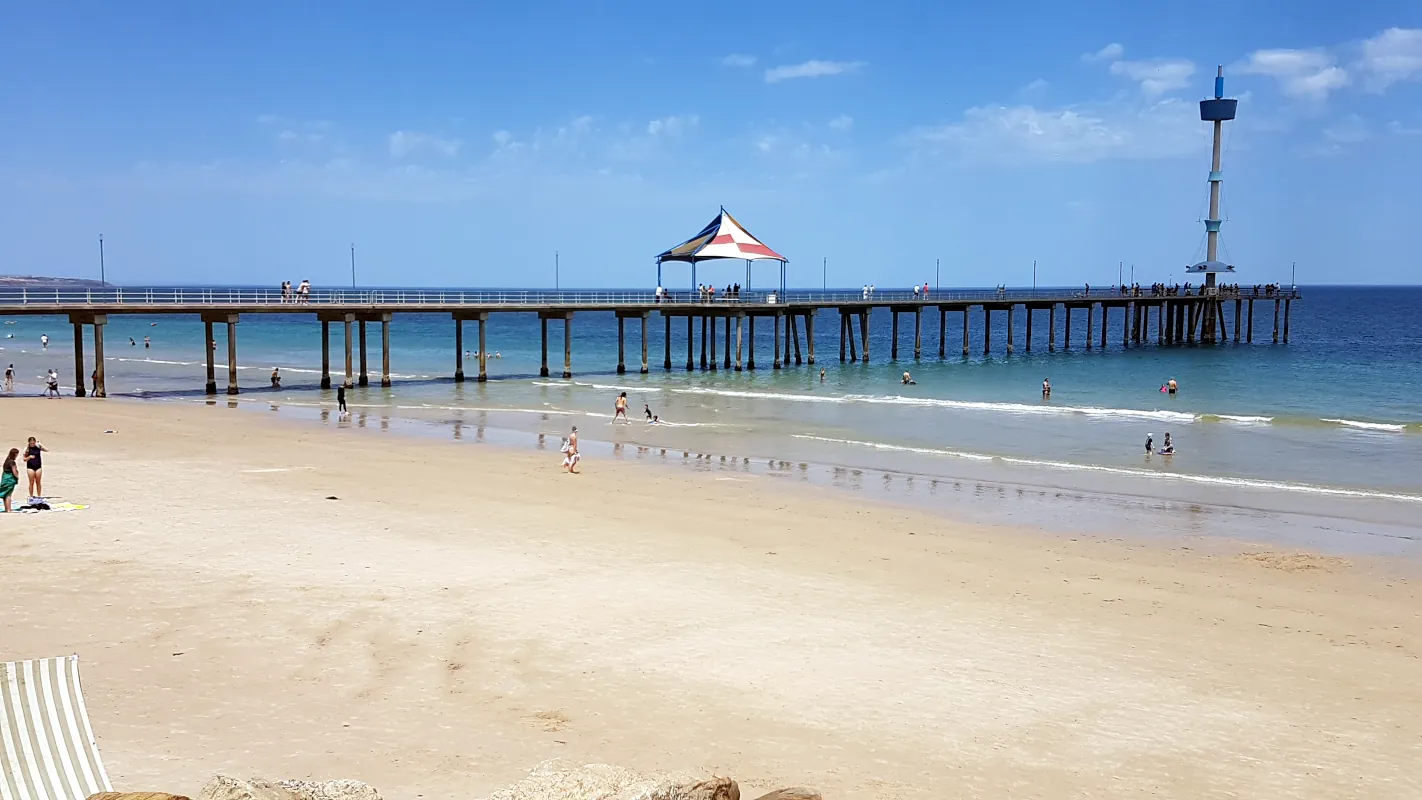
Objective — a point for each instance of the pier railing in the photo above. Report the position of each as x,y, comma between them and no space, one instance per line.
414,298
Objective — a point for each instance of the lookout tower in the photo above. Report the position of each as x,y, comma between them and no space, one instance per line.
1217,110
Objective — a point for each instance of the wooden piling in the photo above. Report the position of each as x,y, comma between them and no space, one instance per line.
80,379
795,337
987,331
727,349
1010,309
349,320
853,354
666,342
483,349
713,345
1090,323
232,354
364,379
740,318
325,354
1192,314
1238,312
1027,342
543,331
942,332
621,345
1160,324
1052,328
210,345
99,322
1126,313
965,331
864,335
1105,323
1066,330
810,335
894,337
917,333
1249,330
690,342
458,349
568,344
843,321
1287,303
644,341
703,341
750,342
385,350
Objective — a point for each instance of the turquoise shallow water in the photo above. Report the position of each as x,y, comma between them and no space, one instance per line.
1330,423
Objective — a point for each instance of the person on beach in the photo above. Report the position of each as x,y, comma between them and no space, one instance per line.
10,378
1150,443
570,452
34,467
620,411
341,398
909,381
94,382
276,378
822,374
647,409
1170,386
147,343
51,384
9,477
1167,448
1046,388
44,341
131,342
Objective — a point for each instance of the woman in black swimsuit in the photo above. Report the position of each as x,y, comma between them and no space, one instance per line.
34,465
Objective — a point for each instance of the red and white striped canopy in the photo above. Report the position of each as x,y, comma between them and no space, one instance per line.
723,238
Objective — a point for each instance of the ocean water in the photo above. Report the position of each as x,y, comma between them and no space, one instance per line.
1328,426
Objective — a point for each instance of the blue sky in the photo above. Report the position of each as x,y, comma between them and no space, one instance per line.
464,143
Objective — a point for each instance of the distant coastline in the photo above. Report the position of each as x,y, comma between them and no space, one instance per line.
33,281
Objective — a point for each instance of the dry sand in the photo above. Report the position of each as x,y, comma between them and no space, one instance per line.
461,613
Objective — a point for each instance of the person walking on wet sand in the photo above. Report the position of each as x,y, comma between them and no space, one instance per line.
620,411
276,378
341,399
570,452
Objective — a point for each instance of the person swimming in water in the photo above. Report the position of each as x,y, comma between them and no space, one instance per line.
909,381
822,374
1046,388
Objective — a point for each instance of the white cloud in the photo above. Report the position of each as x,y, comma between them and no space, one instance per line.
1348,130
1305,74
811,69
294,137
673,125
843,122
1110,52
1034,87
503,139
1396,128
738,60
1392,56
765,144
404,143
1157,75
1024,133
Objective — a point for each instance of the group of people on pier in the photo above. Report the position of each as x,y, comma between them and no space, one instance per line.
707,293
301,295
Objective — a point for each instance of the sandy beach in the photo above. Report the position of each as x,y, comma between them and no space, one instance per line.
290,600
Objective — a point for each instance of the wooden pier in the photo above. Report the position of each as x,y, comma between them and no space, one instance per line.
1179,319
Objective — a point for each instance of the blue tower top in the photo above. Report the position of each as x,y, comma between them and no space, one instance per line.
1220,109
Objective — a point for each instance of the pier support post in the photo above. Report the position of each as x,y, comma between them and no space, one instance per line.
364,379
779,321
80,379
1276,322
325,354
568,344
1010,309
965,331
1249,331
543,365
810,334
1090,323
703,341
1052,328
644,341
621,345
690,343
1066,330
232,354
1191,321
1105,323
483,349
1287,303
726,352
750,343
917,335
987,331
942,332
349,320
740,320
863,335
894,339
385,350
1126,314
100,321
210,345
843,322
1027,344
458,349
666,342
849,320
1238,312
713,345
795,336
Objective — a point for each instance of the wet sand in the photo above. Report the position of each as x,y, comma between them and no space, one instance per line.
461,612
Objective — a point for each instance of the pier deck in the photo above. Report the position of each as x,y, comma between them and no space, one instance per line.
1179,319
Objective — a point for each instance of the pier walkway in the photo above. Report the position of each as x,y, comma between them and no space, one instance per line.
1179,319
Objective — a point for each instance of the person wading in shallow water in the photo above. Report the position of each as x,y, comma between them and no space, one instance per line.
570,452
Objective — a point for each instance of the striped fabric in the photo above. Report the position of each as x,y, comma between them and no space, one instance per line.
49,752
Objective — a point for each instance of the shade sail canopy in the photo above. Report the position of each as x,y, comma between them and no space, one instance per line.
723,238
